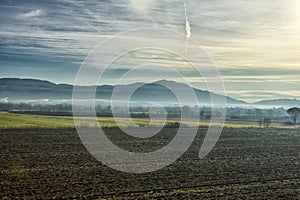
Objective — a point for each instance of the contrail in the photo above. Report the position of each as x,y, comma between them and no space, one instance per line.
187,23
187,27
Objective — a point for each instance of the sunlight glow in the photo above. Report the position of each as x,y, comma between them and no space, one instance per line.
141,5
298,9
295,9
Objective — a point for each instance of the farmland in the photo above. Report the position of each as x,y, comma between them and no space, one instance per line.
12,120
51,162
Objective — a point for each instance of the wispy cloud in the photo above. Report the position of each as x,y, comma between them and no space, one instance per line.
256,44
254,96
33,13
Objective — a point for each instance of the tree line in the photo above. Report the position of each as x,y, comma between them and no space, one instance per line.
264,116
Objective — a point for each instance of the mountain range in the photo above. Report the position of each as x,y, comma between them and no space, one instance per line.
24,90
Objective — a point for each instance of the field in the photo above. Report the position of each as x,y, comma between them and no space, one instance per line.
43,157
12,120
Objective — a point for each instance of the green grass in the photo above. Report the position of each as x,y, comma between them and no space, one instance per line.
12,120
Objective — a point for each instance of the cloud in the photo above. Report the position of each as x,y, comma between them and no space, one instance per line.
254,96
33,13
5,100
141,5
256,44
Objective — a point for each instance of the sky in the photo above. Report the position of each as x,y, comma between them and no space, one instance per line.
255,44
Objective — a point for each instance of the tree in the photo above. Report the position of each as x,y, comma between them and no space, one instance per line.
186,111
260,123
258,113
294,113
267,122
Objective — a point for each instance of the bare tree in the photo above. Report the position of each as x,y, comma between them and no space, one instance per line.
267,122
294,113
260,123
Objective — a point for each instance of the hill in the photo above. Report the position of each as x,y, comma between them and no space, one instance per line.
13,89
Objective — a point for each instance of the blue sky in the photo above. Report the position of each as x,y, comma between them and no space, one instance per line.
255,44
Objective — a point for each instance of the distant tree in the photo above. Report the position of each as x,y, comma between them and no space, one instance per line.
294,113
202,114
260,123
218,114
270,112
249,113
267,122
186,111
258,113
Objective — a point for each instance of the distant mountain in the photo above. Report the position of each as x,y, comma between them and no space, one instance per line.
31,89
280,103
13,89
